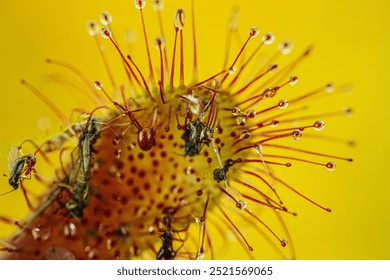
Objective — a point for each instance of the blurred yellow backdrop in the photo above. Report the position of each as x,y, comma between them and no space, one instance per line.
352,43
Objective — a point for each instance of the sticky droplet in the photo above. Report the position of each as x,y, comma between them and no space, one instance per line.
241,204
293,80
199,221
251,113
319,125
40,233
329,87
180,19
274,123
189,170
91,252
241,120
254,32
296,134
258,148
200,256
348,111
118,153
109,244
331,166
98,85
93,28
106,32
232,70
70,229
245,135
158,5
283,104
105,18
146,138
268,38
285,47
159,42
236,111
140,4
151,229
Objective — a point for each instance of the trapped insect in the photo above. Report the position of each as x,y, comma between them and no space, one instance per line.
167,252
77,180
20,168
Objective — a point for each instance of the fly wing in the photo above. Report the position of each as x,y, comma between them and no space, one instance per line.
12,159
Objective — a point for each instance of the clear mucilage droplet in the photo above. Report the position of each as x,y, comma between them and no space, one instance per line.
159,42
258,148
232,70
241,204
245,135
98,85
285,47
106,33
296,134
180,19
274,123
293,80
140,4
158,5
283,104
236,111
40,233
254,32
268,38
200,255
105,18
241,120
251,113
319,125
93,28
199,221
347,111
329,88
70,229
331,166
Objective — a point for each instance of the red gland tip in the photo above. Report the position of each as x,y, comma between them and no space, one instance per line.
106,33
254,32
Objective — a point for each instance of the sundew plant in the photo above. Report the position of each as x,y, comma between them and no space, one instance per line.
164,154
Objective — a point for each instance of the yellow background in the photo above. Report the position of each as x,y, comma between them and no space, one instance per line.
352,44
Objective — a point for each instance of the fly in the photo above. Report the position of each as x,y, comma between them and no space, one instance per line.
220,173
77,181
19,167
166,251
195,135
